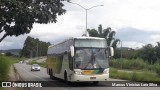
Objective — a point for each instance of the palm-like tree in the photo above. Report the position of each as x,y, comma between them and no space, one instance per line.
107,33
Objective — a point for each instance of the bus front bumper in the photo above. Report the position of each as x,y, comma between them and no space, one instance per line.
83,78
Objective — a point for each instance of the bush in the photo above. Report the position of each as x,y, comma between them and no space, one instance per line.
5,63
157,68
133,76
42,64
4,68
9,54
136,64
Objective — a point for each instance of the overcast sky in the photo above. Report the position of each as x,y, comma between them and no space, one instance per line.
136,22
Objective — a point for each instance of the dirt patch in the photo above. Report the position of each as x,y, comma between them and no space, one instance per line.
14,76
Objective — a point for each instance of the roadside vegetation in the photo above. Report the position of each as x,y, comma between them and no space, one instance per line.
135,65
134,76
141,64
5,63
134,70
42,64
33,47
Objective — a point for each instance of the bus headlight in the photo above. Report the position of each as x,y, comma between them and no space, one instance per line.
105,71
78,72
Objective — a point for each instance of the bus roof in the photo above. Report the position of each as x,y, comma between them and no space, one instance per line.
89,38
77,38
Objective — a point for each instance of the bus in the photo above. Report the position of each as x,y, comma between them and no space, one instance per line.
80,59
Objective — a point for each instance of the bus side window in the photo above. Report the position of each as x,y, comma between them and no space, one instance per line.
70,61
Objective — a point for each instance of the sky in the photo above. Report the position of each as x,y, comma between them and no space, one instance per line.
136,22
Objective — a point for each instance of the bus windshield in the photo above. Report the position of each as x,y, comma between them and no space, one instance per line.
90,58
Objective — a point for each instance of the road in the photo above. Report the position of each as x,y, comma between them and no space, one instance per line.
28,75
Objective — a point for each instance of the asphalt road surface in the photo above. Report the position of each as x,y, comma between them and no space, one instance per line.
26,74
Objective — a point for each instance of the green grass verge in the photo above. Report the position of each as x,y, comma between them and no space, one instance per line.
133,76
135,64
5,63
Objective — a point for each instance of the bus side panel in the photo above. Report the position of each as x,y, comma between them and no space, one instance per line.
51,63
59,64
64,67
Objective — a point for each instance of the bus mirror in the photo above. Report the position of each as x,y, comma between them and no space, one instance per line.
72,50
111,51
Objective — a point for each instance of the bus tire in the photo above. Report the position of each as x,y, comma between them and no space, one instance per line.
50,73
65,76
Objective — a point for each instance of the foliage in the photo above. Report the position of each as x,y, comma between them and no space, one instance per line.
156,68
42,64
135,64
148,53
93,33
128,53
5,63
130,64
4,68
9,54
18,16
34,47
133,76
107,33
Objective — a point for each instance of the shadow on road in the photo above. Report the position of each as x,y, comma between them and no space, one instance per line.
61,83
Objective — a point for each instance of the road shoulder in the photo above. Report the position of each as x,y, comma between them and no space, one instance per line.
14,76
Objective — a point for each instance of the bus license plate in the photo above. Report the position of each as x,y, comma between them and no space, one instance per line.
92,78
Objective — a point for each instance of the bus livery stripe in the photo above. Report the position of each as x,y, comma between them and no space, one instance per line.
91,72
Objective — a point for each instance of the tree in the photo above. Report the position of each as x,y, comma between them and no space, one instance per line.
34,47
93,33
9,54
18,16
107,33
148,53
157,50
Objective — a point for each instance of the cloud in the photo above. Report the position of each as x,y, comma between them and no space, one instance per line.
137,38
135,21
131,44
12,42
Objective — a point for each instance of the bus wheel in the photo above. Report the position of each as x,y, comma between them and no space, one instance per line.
65,76
95,82
51,75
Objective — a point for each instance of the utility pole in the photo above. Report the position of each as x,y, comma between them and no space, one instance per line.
37,49
121,49
121,54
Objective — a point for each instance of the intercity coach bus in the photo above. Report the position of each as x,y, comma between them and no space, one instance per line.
80,59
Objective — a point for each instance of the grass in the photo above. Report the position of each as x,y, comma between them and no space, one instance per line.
4,68
42,64
135,65
134,76
5,63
